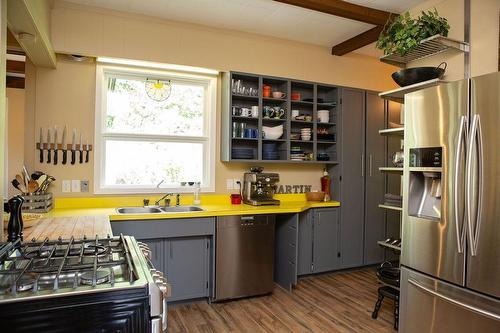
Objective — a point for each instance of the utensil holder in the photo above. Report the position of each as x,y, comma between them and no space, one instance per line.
37,203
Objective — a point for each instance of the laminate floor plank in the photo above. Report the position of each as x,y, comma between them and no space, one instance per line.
333,302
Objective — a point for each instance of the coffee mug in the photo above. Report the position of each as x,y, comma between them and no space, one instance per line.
248,132
245,112
295,96
255,111
278,112
278,94
266,91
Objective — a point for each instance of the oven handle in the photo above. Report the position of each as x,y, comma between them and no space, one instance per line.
469,307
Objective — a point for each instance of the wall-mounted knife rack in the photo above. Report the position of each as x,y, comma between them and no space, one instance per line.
60,146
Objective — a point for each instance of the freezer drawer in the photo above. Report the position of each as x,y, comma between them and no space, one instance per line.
432,306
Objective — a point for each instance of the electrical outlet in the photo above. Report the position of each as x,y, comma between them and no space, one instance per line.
84,186
66,186
236,186
75,186
229,184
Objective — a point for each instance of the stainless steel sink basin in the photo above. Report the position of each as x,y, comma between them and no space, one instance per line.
138,210
178,209
157,210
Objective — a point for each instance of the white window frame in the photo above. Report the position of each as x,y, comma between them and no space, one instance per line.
209,81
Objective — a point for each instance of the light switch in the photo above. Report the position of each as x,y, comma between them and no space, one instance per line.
229,184
75,186
66,186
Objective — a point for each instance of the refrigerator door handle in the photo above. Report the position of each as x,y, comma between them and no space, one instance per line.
472,234
454,301
480,181
370,163
362,165
462,136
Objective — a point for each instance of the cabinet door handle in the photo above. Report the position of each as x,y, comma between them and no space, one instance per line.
370,163
362,165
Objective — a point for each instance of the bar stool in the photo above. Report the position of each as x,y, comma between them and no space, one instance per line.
389,275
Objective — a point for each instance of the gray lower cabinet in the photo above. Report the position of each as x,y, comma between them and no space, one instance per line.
187,261
181,248
285,259
318,246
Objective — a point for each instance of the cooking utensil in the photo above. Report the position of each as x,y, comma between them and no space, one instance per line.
64,148
73,147
55,145
36,175
40,140
17,185
41,180
80,149
49,139
409,76
20,185
26,176
33,186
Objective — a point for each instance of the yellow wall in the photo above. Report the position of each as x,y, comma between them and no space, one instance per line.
67,95
15,135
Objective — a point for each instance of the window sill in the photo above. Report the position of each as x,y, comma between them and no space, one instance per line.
161,190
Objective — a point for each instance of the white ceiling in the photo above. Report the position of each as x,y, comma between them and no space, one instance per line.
265,17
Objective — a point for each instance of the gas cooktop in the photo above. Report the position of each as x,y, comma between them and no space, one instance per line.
51,268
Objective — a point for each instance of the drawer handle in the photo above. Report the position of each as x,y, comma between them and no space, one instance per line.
248,218
291,244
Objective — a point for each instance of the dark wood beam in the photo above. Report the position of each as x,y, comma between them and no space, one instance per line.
15,66
358,41
15,82
344,9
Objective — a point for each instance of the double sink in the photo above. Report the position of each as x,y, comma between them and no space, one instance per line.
157,210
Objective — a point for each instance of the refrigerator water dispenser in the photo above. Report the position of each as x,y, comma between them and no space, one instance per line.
424,197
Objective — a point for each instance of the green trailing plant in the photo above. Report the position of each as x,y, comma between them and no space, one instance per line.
404,33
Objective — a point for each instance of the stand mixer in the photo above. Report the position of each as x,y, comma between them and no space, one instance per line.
259,187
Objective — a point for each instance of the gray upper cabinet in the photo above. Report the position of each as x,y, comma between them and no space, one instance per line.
243,136
375,152
318,241
353,175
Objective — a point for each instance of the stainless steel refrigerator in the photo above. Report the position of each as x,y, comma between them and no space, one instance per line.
450,264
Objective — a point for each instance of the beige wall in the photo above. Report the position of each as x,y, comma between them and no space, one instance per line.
67,95
15,135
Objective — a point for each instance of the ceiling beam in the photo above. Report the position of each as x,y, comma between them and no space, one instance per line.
358,41
344,9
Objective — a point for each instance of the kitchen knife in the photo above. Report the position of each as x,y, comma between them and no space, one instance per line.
63,142
48,144
55,145
86,151
73,147
40,139
80,149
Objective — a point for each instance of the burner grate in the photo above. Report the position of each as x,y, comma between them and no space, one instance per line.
52,265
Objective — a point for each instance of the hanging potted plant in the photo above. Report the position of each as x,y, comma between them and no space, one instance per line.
405,33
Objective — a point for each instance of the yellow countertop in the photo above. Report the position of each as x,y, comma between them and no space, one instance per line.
212,205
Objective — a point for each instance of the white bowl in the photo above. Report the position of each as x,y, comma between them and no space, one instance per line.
272,133
323,111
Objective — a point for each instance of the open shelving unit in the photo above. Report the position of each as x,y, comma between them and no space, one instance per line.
391,169
313,97
390,246
429,47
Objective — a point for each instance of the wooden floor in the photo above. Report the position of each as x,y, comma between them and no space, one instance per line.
333,302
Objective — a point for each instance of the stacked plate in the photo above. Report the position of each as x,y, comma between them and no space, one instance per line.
305,134
242,153
296,154
323,116
270,151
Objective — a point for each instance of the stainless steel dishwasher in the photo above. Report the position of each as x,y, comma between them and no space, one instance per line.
244,256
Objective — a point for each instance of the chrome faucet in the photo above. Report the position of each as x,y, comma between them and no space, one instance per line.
167,201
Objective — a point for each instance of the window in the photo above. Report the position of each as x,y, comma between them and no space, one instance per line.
142,141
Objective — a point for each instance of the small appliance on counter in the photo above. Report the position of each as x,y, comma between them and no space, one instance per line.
259,187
